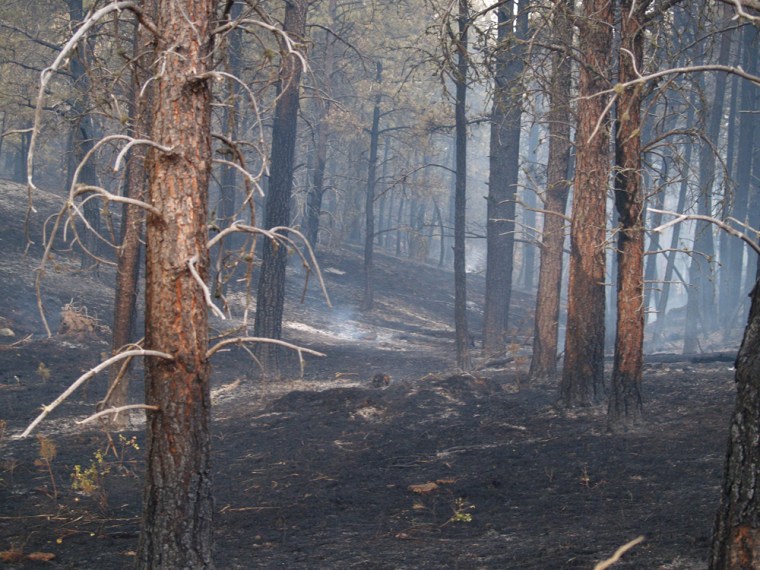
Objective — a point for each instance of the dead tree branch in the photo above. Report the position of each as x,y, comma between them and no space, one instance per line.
84,378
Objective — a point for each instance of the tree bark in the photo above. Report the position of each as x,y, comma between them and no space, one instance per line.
177,497
128,253
81,142
731,275
543,365
670,265
625,405
270,295
369,204
226,207
736,536
462,333
701,292
583,372
502,180
321,138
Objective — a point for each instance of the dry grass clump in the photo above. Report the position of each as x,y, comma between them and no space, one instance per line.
77,323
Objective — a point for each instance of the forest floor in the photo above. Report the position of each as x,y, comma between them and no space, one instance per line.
430,470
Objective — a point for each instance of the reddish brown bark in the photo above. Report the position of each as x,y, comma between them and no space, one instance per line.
177,499
625,405
543,365
583,372
128,253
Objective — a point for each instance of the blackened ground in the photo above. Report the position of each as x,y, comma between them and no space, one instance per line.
433,470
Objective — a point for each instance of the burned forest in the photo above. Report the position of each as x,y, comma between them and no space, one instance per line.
383,285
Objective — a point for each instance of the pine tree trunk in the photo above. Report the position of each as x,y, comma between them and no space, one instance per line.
700,311
543,365
270,295
321,140
731,274
502,181
369,203
81,143
460,197
736,537
128,253
583,372
625,405
177,497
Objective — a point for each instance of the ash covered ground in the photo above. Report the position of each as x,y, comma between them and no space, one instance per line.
430,469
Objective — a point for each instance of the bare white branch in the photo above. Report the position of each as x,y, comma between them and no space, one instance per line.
84,188
120,409
604,564
253,339
289,44
250,177
274,234
59,61
206,293
722,225
241,340
133,142
84,378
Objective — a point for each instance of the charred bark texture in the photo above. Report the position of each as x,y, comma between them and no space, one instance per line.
460,195
502,180
321,138
81,142
583,372
177,497
270,295
625,406
701,308
369,202
731,281
736,538
543,365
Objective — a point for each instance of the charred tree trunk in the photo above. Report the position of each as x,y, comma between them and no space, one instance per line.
132,220
22,154
625,405
460,196
543,365
731,275
736,537
369,204
701,292
651,292
228,178
502,180
321,141
530,237
583,372
270,295
81,142
177,497
670,265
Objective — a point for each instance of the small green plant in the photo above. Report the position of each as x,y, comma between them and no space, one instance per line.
461,511
120,449
89,480
47,452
